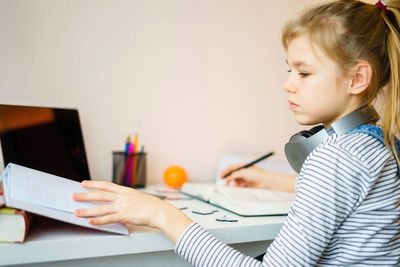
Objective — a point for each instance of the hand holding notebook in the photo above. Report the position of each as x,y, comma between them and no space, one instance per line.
47,195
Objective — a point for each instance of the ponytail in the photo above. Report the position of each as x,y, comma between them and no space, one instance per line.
391,115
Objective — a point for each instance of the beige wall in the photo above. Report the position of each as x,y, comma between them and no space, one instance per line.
196,79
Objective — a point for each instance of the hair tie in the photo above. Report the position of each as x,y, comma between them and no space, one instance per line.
382,5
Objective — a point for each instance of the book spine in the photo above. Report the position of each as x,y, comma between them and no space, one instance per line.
2,200
27,218
26,215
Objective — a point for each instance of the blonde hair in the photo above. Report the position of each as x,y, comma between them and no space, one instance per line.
351,31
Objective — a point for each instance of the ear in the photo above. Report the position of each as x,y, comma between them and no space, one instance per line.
361,78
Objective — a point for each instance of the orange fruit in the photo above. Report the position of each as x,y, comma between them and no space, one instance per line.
175,176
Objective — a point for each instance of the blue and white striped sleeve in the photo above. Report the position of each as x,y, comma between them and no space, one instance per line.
328,191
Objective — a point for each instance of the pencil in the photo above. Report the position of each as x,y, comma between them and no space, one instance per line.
126,152
135,159
127,142
140,155
250,163
130,165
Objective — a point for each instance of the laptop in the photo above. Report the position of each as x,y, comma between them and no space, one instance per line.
44,138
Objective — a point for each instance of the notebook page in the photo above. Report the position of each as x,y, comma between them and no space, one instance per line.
48,195
36,187
240,194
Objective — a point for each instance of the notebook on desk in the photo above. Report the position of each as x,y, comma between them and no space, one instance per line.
242,201
44,138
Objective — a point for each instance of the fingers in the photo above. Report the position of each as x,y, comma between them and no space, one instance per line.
233,167
94,196
96,211
238,175
107,219
239,183
105,186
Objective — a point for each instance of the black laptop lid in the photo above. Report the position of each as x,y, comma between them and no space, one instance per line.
45,139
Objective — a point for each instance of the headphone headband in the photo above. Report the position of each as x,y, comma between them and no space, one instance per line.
354,119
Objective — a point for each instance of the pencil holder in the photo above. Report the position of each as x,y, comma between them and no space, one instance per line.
129,169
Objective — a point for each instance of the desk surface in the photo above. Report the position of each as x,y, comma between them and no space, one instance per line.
50,240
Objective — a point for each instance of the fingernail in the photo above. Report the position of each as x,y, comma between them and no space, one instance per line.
77,212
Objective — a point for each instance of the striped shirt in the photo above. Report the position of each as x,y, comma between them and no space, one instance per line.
346,212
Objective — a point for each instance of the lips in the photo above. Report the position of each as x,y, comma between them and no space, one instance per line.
292,105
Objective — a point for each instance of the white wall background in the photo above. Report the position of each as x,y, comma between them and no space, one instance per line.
195,79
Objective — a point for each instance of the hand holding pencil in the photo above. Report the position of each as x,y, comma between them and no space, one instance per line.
248,164
245,177
249,175
246,174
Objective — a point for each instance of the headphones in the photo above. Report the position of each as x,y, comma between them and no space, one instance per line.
301,144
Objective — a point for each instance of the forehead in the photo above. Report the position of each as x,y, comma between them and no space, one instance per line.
301,52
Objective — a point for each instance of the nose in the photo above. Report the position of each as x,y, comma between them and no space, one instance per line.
288,86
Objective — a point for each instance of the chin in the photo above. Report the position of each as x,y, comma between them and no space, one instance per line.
305,121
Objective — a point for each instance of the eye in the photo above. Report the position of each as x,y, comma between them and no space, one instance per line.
304,74
289,70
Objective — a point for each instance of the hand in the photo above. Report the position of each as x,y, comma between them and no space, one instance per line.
248,177
258,178
125,205
129,206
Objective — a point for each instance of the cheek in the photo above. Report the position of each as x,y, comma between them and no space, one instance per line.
311,90
321,87
316,97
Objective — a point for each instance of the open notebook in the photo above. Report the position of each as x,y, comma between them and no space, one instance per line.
47,195
243,201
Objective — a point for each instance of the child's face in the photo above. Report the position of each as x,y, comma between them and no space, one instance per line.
318,93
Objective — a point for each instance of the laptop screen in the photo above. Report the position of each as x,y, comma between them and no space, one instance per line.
45,139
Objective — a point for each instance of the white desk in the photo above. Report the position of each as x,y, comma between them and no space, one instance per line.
61,244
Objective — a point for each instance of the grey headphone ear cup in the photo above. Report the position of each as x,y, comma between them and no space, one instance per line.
296,151
298,147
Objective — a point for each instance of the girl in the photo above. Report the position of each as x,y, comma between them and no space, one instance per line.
341,55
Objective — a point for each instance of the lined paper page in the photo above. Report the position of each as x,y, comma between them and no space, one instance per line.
246,194
44,189
47,195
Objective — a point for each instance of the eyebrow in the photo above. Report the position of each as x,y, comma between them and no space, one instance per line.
299,64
